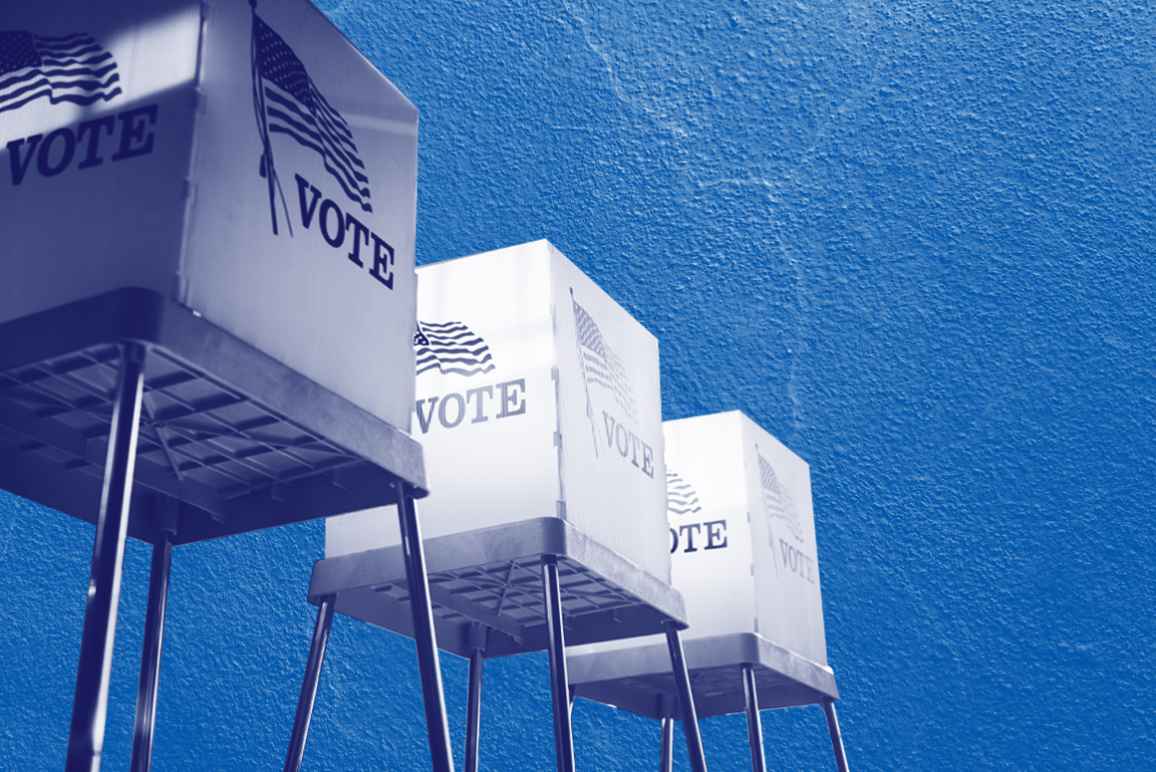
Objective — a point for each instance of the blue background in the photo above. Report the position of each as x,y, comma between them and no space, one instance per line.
912,239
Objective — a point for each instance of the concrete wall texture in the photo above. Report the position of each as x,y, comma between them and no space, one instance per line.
912,239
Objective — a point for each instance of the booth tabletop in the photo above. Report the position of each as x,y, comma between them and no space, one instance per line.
231,439
486,587
638,678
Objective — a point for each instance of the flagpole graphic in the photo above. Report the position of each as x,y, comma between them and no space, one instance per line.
267,170
289,102
777,503
582,361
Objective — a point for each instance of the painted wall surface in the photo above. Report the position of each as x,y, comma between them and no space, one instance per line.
912,239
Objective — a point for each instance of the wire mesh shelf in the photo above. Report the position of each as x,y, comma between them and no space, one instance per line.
229,439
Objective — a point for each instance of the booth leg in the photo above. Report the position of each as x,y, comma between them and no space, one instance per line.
836,735
150,666
666,756
90,702
686,700
437,729
474,711
754,722
559,683
309,686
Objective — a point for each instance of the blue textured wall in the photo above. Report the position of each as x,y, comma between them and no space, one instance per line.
913,239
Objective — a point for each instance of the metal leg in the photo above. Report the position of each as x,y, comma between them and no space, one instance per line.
309,686
559,683
437,728
90,703
150,666
836,735
686,700
474,711
666,759
754,722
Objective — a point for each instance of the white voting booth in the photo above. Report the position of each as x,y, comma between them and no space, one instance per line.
249,165
742,542
537,397
539,410
207,264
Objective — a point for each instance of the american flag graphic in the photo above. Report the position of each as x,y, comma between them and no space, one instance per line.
681,498
451,347
602,366
68,68
288,102
777,501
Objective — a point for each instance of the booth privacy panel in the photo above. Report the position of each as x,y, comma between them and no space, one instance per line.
96,122
790,603
610,421
485,411
503,414
313,262
249,164
709,513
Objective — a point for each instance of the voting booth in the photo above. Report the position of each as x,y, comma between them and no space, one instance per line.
207,288
539,410
742,543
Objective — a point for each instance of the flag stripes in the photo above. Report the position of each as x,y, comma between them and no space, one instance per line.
681,498
70,68
602,365
777,502
451,347
293,106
